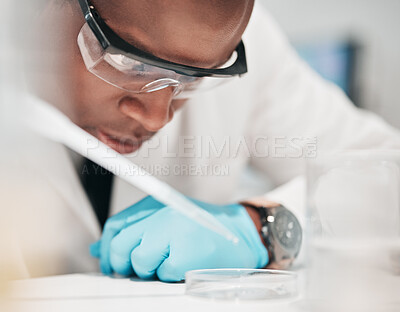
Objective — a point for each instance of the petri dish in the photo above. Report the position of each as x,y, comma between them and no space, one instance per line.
242,284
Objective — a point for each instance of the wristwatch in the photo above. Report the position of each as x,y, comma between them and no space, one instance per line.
281,233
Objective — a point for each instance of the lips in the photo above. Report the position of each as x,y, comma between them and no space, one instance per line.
122,145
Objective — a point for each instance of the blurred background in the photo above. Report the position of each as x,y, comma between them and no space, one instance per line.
5,54
10,87
355,44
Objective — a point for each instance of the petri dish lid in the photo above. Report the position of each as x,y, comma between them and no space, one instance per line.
242,284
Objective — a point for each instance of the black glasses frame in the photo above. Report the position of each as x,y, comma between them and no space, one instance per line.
114,44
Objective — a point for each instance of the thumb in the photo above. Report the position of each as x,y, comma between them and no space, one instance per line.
94,249
141,210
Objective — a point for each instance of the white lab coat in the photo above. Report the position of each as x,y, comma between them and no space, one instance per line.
50,222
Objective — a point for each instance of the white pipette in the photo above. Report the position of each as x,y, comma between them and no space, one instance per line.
51,123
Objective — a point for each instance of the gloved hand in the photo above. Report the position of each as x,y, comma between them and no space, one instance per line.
151,239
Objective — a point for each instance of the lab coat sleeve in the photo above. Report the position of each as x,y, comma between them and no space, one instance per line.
294,107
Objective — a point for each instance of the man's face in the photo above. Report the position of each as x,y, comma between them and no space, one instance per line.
198,33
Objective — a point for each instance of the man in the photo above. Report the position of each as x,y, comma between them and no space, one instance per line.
169,45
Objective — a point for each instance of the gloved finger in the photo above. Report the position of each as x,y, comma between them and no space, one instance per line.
121,265
150,254
171,271
122,245
115,224
111,228
94,249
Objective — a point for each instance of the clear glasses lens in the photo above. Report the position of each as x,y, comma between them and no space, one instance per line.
137,77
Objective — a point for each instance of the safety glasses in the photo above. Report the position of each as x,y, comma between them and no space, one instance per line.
124,66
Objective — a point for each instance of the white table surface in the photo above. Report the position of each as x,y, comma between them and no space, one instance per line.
94,292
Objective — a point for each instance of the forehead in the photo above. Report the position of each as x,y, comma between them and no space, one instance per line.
180,31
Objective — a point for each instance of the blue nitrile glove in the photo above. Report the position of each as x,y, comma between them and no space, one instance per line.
137,212
149,240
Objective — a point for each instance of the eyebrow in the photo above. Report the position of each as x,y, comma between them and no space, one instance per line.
133,41
128,38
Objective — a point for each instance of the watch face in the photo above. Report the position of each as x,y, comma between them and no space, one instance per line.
287,230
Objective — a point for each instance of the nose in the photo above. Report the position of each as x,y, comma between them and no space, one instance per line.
152,110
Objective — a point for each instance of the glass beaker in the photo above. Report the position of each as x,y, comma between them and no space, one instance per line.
353,232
